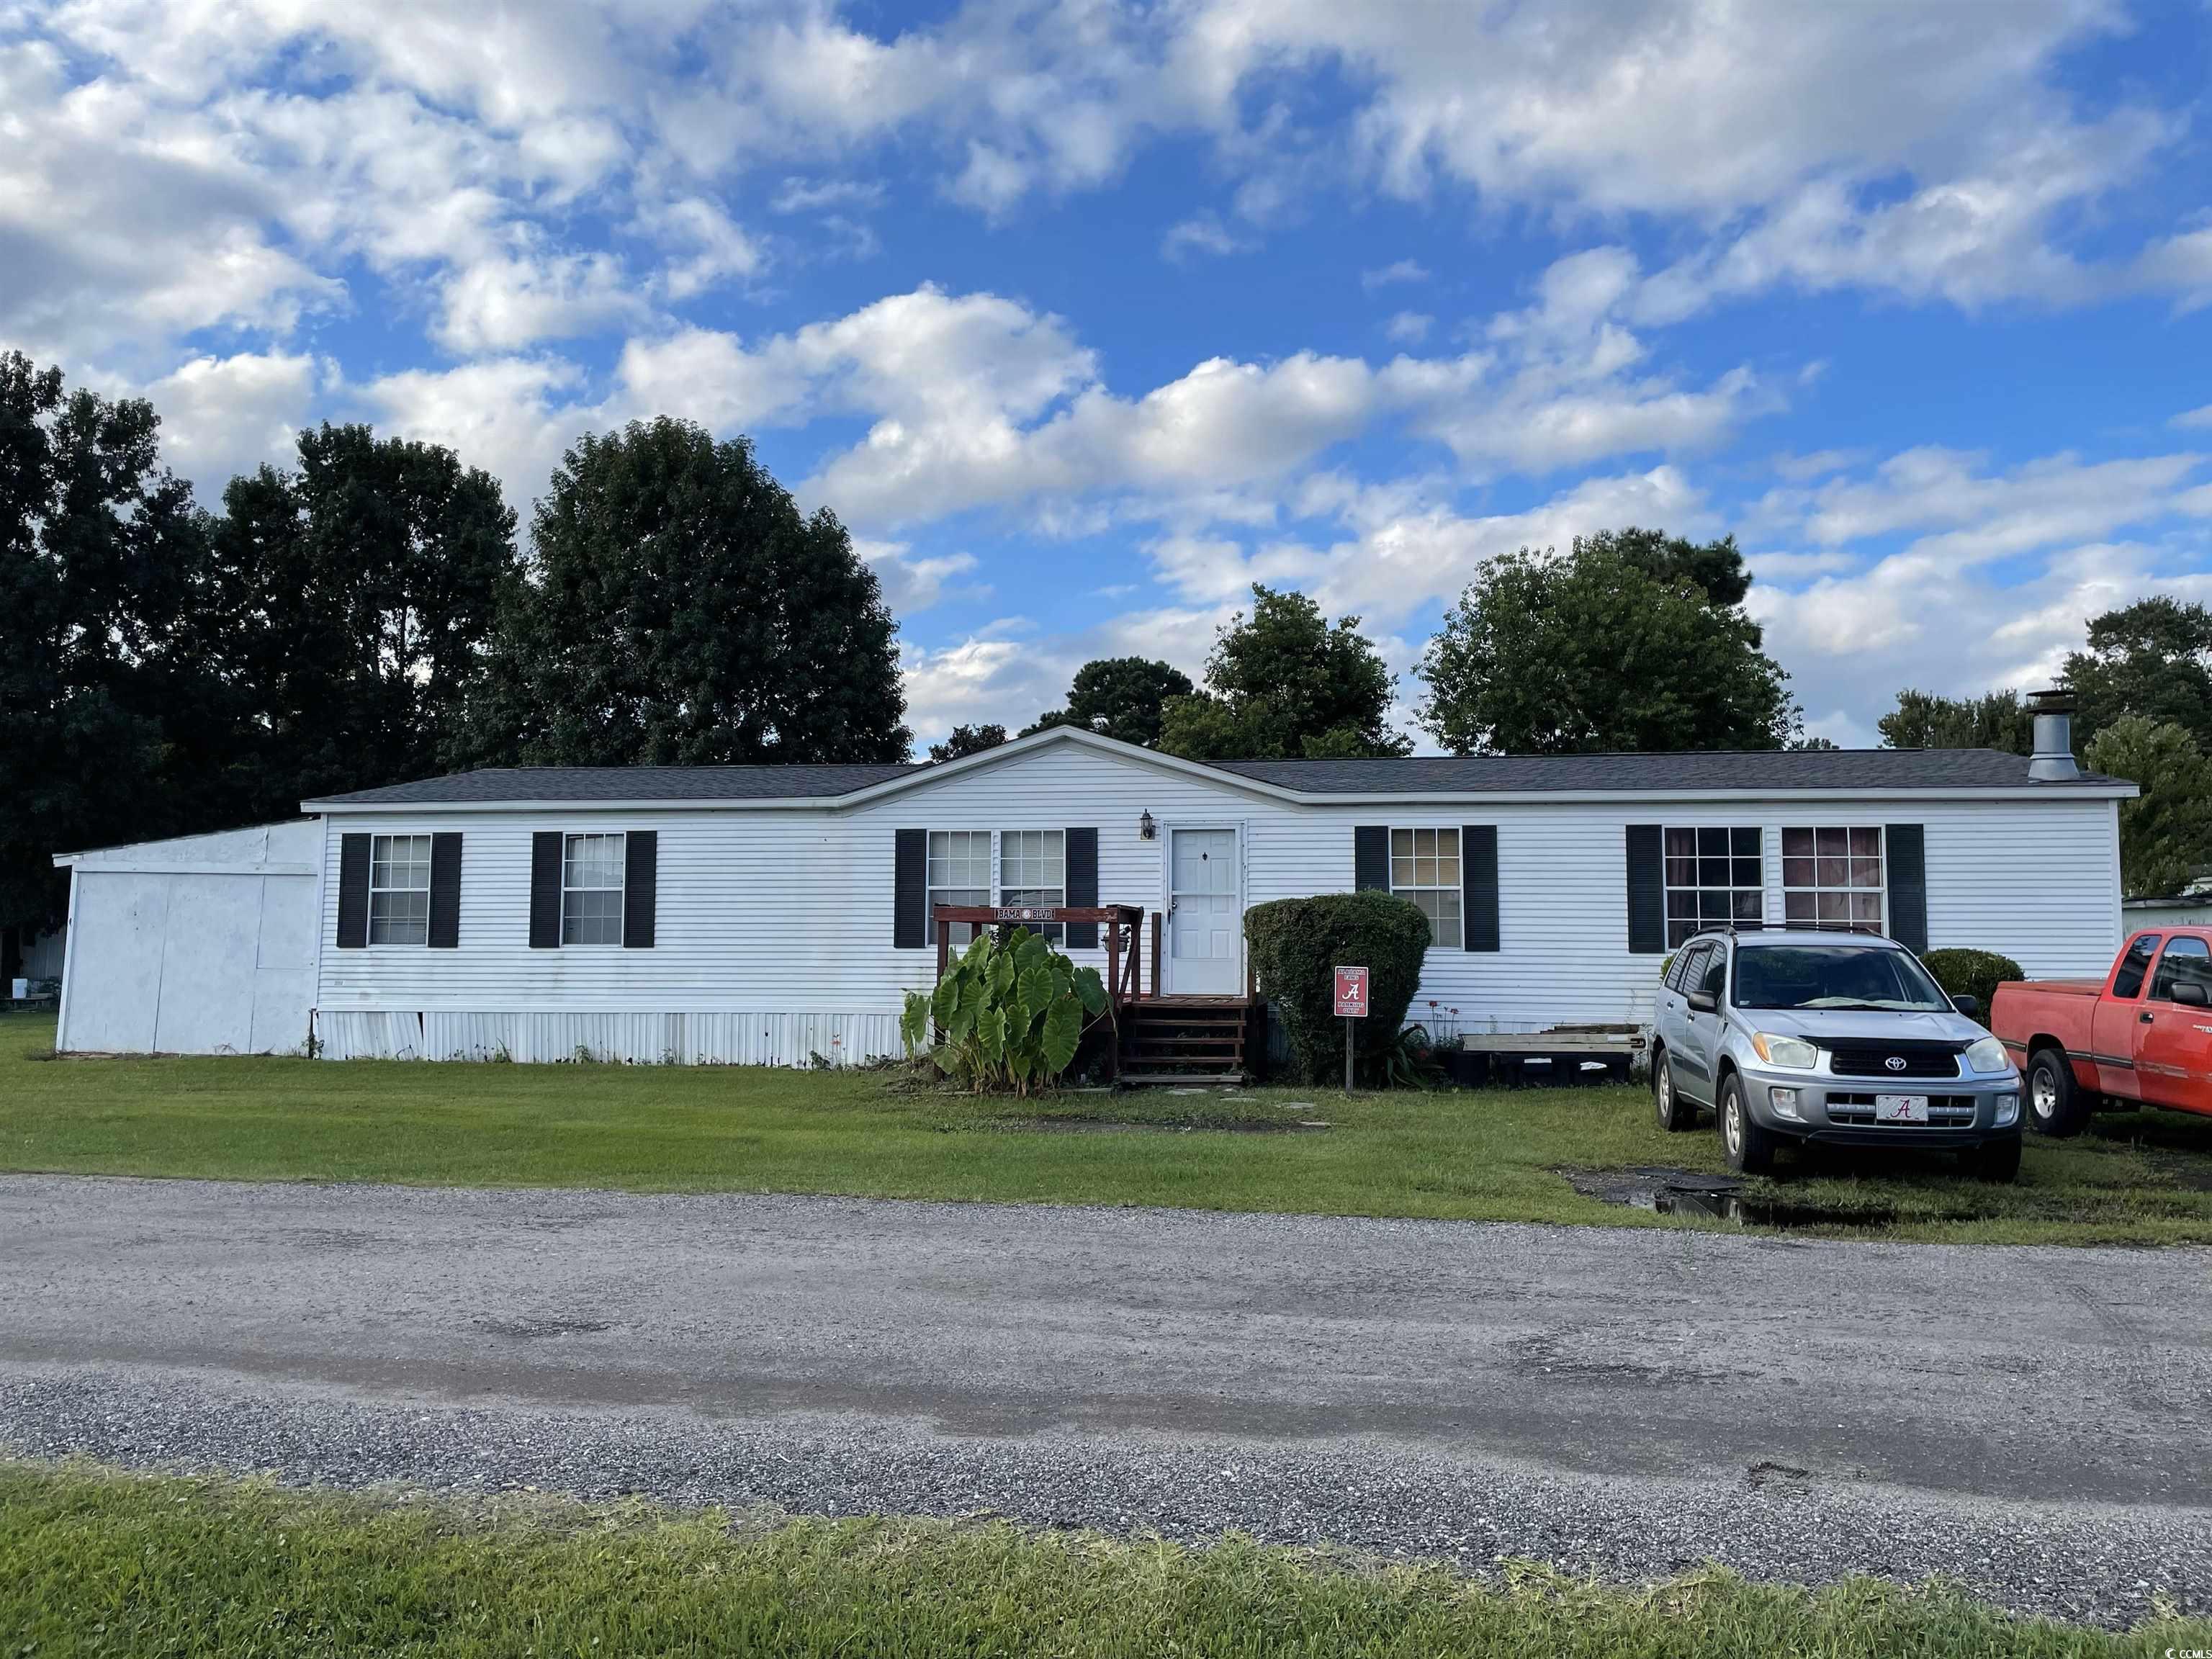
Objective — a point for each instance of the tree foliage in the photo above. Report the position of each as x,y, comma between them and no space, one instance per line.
1284,684
1635,640
102,693
679,609
968,740
356,598
1298,944
1120,697
2165,834
2149,659
1008,1014
1996,719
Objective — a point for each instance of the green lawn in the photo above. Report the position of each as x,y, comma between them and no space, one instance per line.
1491,1155
94,1561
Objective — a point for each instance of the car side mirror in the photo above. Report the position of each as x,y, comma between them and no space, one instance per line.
2189,992
1967,1005
1704,1002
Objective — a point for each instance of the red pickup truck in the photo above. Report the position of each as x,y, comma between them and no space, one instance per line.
2141,1034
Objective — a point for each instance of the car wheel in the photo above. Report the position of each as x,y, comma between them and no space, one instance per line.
1674,1112
1997,1160
1749,1148
2057,1104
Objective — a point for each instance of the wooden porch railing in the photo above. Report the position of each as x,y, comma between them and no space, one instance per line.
1121,930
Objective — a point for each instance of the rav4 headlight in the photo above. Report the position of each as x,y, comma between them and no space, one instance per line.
1988,1055
1795,1053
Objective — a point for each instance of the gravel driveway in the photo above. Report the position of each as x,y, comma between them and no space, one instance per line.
2037,1422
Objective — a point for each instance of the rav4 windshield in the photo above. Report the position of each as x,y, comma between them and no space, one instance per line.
1833,977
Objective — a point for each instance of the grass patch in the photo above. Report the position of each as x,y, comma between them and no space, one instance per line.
95,1561
1493,1155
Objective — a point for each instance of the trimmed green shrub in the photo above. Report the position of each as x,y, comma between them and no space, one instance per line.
1009,1014
1297,944
1964,973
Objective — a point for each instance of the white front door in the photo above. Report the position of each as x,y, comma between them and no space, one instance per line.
1205,915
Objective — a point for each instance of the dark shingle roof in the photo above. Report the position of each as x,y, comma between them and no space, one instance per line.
1841,770
1749,771
498,784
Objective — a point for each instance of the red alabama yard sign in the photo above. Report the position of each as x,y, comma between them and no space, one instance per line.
1351,993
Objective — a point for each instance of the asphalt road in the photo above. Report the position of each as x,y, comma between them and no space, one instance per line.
2038,1421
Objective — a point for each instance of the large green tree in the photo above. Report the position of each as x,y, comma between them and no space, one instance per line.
102,704
2165,835
679,609
1284,684
2153,658
358,595
1996,719
964,740
1634,640
1123,697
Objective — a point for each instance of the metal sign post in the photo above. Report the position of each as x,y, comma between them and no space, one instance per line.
1350,1004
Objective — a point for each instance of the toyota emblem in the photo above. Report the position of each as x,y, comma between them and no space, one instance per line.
1895,1062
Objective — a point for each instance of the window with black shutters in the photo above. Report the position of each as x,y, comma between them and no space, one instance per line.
1714,875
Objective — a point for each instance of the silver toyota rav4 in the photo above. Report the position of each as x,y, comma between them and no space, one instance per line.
1840,1038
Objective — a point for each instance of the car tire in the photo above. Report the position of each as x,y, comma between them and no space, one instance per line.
2057,1105
1675,1114
1997,1160
1749,1148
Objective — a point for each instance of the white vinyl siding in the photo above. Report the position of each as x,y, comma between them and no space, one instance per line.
774,932
399,889
1425,868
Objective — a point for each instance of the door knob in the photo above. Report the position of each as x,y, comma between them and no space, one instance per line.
2144,1017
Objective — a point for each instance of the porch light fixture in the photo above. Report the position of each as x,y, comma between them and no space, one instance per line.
1145,827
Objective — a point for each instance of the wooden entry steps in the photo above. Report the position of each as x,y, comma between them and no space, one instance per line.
1189,1040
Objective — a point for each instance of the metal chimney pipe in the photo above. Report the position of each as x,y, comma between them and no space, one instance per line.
2053,760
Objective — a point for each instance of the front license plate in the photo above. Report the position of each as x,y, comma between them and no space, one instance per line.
1900,1109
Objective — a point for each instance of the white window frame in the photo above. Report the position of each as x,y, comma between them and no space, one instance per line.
381,861
1436,890
1850,887
569,840
1033,895
1680,930
949,891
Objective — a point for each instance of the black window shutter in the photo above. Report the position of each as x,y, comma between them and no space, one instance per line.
910,890
545,891
640,888
1370,856
1646,892
1478,885
1906,845
445,892
353,892
1082,849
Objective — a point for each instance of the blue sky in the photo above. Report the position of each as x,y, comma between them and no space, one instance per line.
1085,316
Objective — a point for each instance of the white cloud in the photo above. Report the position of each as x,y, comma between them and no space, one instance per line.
1408,327
224,416
1399,270
1202,233
707,247
513,416
2195,420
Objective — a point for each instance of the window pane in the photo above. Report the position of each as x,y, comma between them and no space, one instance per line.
1682,872
1796,843
1681,902
1401,872
1713,843
1446,843
1712,871
1797,872
1835,907
1677,932
1448,871
1834,873
1866,843
1681,843
1402,843
1750,906
1798,906
1866,873
1831,843
1747,872
1744,843
593,861
590,916
1424,871
1866,907
400,918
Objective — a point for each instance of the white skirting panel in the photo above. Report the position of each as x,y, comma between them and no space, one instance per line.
686,1039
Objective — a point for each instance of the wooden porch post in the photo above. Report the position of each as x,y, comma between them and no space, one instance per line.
1156,953
944,946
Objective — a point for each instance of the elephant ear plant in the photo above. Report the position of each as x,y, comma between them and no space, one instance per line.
1009,1013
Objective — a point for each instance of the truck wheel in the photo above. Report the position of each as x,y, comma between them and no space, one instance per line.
1674,1112
2057,1104
1995,1160
1749,1149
